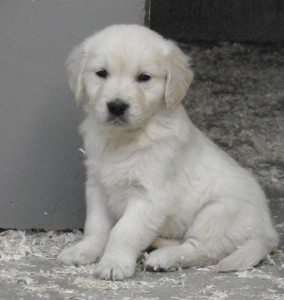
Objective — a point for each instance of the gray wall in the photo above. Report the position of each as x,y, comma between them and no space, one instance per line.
41,169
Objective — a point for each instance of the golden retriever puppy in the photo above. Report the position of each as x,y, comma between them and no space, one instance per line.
152,176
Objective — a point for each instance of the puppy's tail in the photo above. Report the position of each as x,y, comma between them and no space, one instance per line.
247,256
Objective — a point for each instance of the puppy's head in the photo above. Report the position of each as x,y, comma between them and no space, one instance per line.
128,73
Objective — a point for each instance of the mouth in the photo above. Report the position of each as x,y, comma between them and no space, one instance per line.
117,121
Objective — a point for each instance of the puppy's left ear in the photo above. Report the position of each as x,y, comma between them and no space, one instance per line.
179,76
75,67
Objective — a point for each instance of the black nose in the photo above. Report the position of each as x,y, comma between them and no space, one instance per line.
117,107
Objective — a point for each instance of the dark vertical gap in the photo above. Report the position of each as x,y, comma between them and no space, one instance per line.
147,18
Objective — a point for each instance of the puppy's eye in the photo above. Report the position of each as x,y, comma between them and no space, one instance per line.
143,77
102,73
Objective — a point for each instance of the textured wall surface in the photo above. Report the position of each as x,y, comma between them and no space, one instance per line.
41,169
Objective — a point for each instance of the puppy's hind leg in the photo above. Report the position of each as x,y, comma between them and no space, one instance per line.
185,255
204,243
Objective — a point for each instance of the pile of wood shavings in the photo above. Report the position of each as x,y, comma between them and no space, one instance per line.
15,245
33,271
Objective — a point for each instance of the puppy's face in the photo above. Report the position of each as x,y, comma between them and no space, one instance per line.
129,73
124,80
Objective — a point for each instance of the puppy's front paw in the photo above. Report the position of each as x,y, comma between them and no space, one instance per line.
164,259
82,253
115,269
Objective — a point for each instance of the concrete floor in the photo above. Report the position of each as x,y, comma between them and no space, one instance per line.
44,279
238,100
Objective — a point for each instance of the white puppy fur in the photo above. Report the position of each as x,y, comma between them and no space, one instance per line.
152,176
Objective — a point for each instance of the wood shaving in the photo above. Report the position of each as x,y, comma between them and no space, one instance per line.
15,245
215,294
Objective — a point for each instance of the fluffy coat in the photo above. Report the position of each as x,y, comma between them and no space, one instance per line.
153,178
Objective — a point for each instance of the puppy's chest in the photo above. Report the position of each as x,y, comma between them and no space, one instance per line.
122,176
122,179
120,172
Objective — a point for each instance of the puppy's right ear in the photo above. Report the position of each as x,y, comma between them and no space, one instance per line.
75,66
